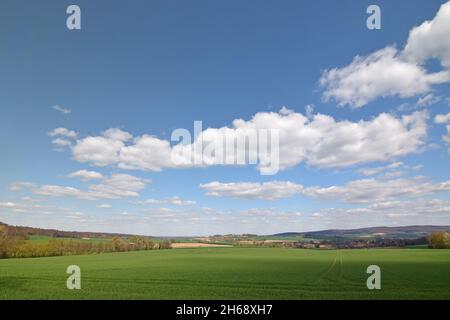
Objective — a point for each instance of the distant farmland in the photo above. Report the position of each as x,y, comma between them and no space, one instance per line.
232,273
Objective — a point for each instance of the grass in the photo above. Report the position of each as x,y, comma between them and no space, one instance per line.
232,273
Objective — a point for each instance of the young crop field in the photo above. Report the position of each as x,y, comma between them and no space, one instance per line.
232,273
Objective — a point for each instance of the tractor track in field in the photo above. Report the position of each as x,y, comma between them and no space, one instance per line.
342,279
326,272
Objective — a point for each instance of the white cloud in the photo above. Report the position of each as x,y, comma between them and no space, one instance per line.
19,186
147,153
63,132
393,174
104,206
376,170
428,100
414,207
442,118
249,190
62,110
285,111
61,142
62,137
86,175
207,210
7,205
176,201
431,39
254,220
387,213
117,135
381,74
357,191
116,186
446,138
268,213
320,141
391,72
59,191
46,216
101,150
372,190
179,202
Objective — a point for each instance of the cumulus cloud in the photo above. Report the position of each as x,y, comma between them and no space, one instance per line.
357,191
318,140
430,40
381,74
86,175
101,150
63,132
249,190
442,118
116,186
392,72
62,137
147,153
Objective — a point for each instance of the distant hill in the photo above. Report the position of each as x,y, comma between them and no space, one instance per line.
406,232
30,231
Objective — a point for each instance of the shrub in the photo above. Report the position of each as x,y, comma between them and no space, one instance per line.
439,240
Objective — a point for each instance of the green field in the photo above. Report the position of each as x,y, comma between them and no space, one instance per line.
232,273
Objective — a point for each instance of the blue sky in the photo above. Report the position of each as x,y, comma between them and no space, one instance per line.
149,67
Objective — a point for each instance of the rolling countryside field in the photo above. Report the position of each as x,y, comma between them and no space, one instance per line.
232,273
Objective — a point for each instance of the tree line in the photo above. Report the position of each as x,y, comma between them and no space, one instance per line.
23,232
15,245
